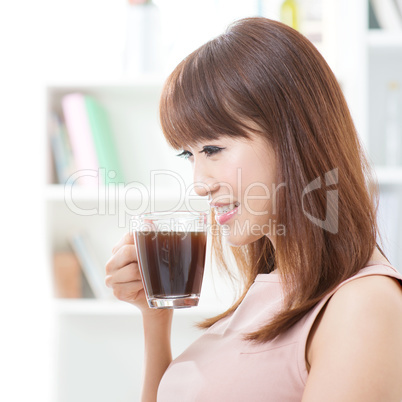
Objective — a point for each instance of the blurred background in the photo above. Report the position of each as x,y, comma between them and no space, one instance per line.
90,69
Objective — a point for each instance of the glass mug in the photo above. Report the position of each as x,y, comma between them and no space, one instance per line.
171,256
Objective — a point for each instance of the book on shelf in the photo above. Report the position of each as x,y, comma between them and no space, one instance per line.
61,149
67,276
91,139
79,131
103,138
94,271
388,13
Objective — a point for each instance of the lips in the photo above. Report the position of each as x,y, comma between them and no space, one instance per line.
224,212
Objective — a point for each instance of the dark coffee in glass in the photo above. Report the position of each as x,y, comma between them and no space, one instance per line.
171,257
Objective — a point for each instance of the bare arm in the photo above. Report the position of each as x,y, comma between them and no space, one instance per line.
158,354
122,275
356,350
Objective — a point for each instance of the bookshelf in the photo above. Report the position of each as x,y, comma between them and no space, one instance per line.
98,344
368,60
87,325
381,40
384,73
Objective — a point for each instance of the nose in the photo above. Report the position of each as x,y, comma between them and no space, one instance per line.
205,187
204,182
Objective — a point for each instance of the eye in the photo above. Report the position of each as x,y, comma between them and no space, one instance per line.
210,150
184,154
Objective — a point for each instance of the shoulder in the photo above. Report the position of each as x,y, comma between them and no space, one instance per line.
369,303
356,339
367,291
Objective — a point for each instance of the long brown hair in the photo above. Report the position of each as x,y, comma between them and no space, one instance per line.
264,72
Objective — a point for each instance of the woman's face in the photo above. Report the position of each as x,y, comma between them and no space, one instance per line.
238,176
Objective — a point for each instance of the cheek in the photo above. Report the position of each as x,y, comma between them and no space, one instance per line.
256,195
230,182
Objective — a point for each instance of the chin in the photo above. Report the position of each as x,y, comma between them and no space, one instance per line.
238,241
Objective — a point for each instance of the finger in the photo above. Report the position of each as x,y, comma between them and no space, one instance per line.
128,238
129,273
124,256
128,291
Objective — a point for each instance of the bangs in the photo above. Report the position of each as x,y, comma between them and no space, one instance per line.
201,100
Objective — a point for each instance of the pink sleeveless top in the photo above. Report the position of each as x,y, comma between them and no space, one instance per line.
221,366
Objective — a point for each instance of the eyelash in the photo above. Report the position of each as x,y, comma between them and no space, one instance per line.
211,150
207,150
184,154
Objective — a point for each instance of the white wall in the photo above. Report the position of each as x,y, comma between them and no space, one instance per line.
24,290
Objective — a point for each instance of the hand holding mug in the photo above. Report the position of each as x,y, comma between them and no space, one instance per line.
122,273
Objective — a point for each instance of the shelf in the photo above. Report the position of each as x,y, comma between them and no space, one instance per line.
93,307
382,40
56,192
387,175
145,82
59,192
79,307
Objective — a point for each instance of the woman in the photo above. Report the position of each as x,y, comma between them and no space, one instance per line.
265,126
